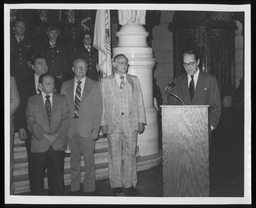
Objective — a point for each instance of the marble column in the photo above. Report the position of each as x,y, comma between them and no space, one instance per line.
132,43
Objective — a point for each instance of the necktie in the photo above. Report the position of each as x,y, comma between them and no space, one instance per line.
191,87
77,98
122,82
44,20
47,105
88,49
20,41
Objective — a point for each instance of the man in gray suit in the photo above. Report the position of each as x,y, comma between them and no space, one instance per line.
197,88
123,117
85,101
48,120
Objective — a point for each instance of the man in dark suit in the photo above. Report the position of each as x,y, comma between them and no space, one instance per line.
48,121
90,54
29,87
197,88
85,102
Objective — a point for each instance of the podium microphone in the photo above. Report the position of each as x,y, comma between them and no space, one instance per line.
170,87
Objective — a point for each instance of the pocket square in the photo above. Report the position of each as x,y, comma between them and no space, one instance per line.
205,88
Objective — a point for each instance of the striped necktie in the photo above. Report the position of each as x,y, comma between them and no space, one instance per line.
47,105
122,82
191,87
77,98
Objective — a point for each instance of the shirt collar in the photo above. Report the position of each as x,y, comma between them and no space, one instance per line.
82,80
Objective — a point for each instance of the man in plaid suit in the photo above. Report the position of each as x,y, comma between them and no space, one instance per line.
123,117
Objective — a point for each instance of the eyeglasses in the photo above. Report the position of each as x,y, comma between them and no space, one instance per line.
80,67
122,63
189,64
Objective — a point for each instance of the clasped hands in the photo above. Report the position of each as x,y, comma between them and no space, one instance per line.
51,138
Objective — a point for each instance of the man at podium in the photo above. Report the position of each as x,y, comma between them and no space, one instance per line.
196,88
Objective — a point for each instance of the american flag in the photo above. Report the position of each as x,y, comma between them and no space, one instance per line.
102,40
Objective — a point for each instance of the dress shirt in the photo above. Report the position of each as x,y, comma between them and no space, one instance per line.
82,86
195,78
19,37
43,94
118,80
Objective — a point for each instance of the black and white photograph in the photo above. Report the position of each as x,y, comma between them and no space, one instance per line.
127,103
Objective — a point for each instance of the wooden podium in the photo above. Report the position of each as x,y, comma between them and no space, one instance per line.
185,150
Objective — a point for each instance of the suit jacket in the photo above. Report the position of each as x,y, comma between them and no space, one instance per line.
26,89
91,59
38,123
111,111
90,108
206,93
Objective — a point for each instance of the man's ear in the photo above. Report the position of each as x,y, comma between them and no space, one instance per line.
198,62
73,69
114,63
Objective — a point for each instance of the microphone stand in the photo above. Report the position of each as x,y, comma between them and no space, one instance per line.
168,86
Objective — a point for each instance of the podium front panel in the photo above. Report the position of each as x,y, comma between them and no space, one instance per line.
185,151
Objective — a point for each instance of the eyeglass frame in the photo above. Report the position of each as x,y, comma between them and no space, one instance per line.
80,67
122,63
190,64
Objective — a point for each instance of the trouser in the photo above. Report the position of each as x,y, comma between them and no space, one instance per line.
80,145
53,161
122,157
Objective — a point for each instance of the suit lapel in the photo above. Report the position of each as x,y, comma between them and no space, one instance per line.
88,85
113,88
42,107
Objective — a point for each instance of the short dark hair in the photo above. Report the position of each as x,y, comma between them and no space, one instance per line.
192,50
119,55
41,78
53,28
84,33
35,57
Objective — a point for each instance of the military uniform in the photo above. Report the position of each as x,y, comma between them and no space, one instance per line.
19,57
56,58
91,59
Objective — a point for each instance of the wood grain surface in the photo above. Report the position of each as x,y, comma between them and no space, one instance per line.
185,151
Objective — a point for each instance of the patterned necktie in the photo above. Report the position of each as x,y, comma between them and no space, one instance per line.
191,87
77,98
122,82
47,105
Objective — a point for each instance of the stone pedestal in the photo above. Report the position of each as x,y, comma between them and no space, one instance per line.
132,43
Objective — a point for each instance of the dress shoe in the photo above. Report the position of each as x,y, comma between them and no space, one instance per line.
131,191
75,193
119,191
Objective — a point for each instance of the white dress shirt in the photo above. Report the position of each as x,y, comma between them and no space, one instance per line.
118,80
195,78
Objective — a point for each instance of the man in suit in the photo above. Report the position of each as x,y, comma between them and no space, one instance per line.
197,88
14,103
123,117
29,87
85,101
90,54
48,120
